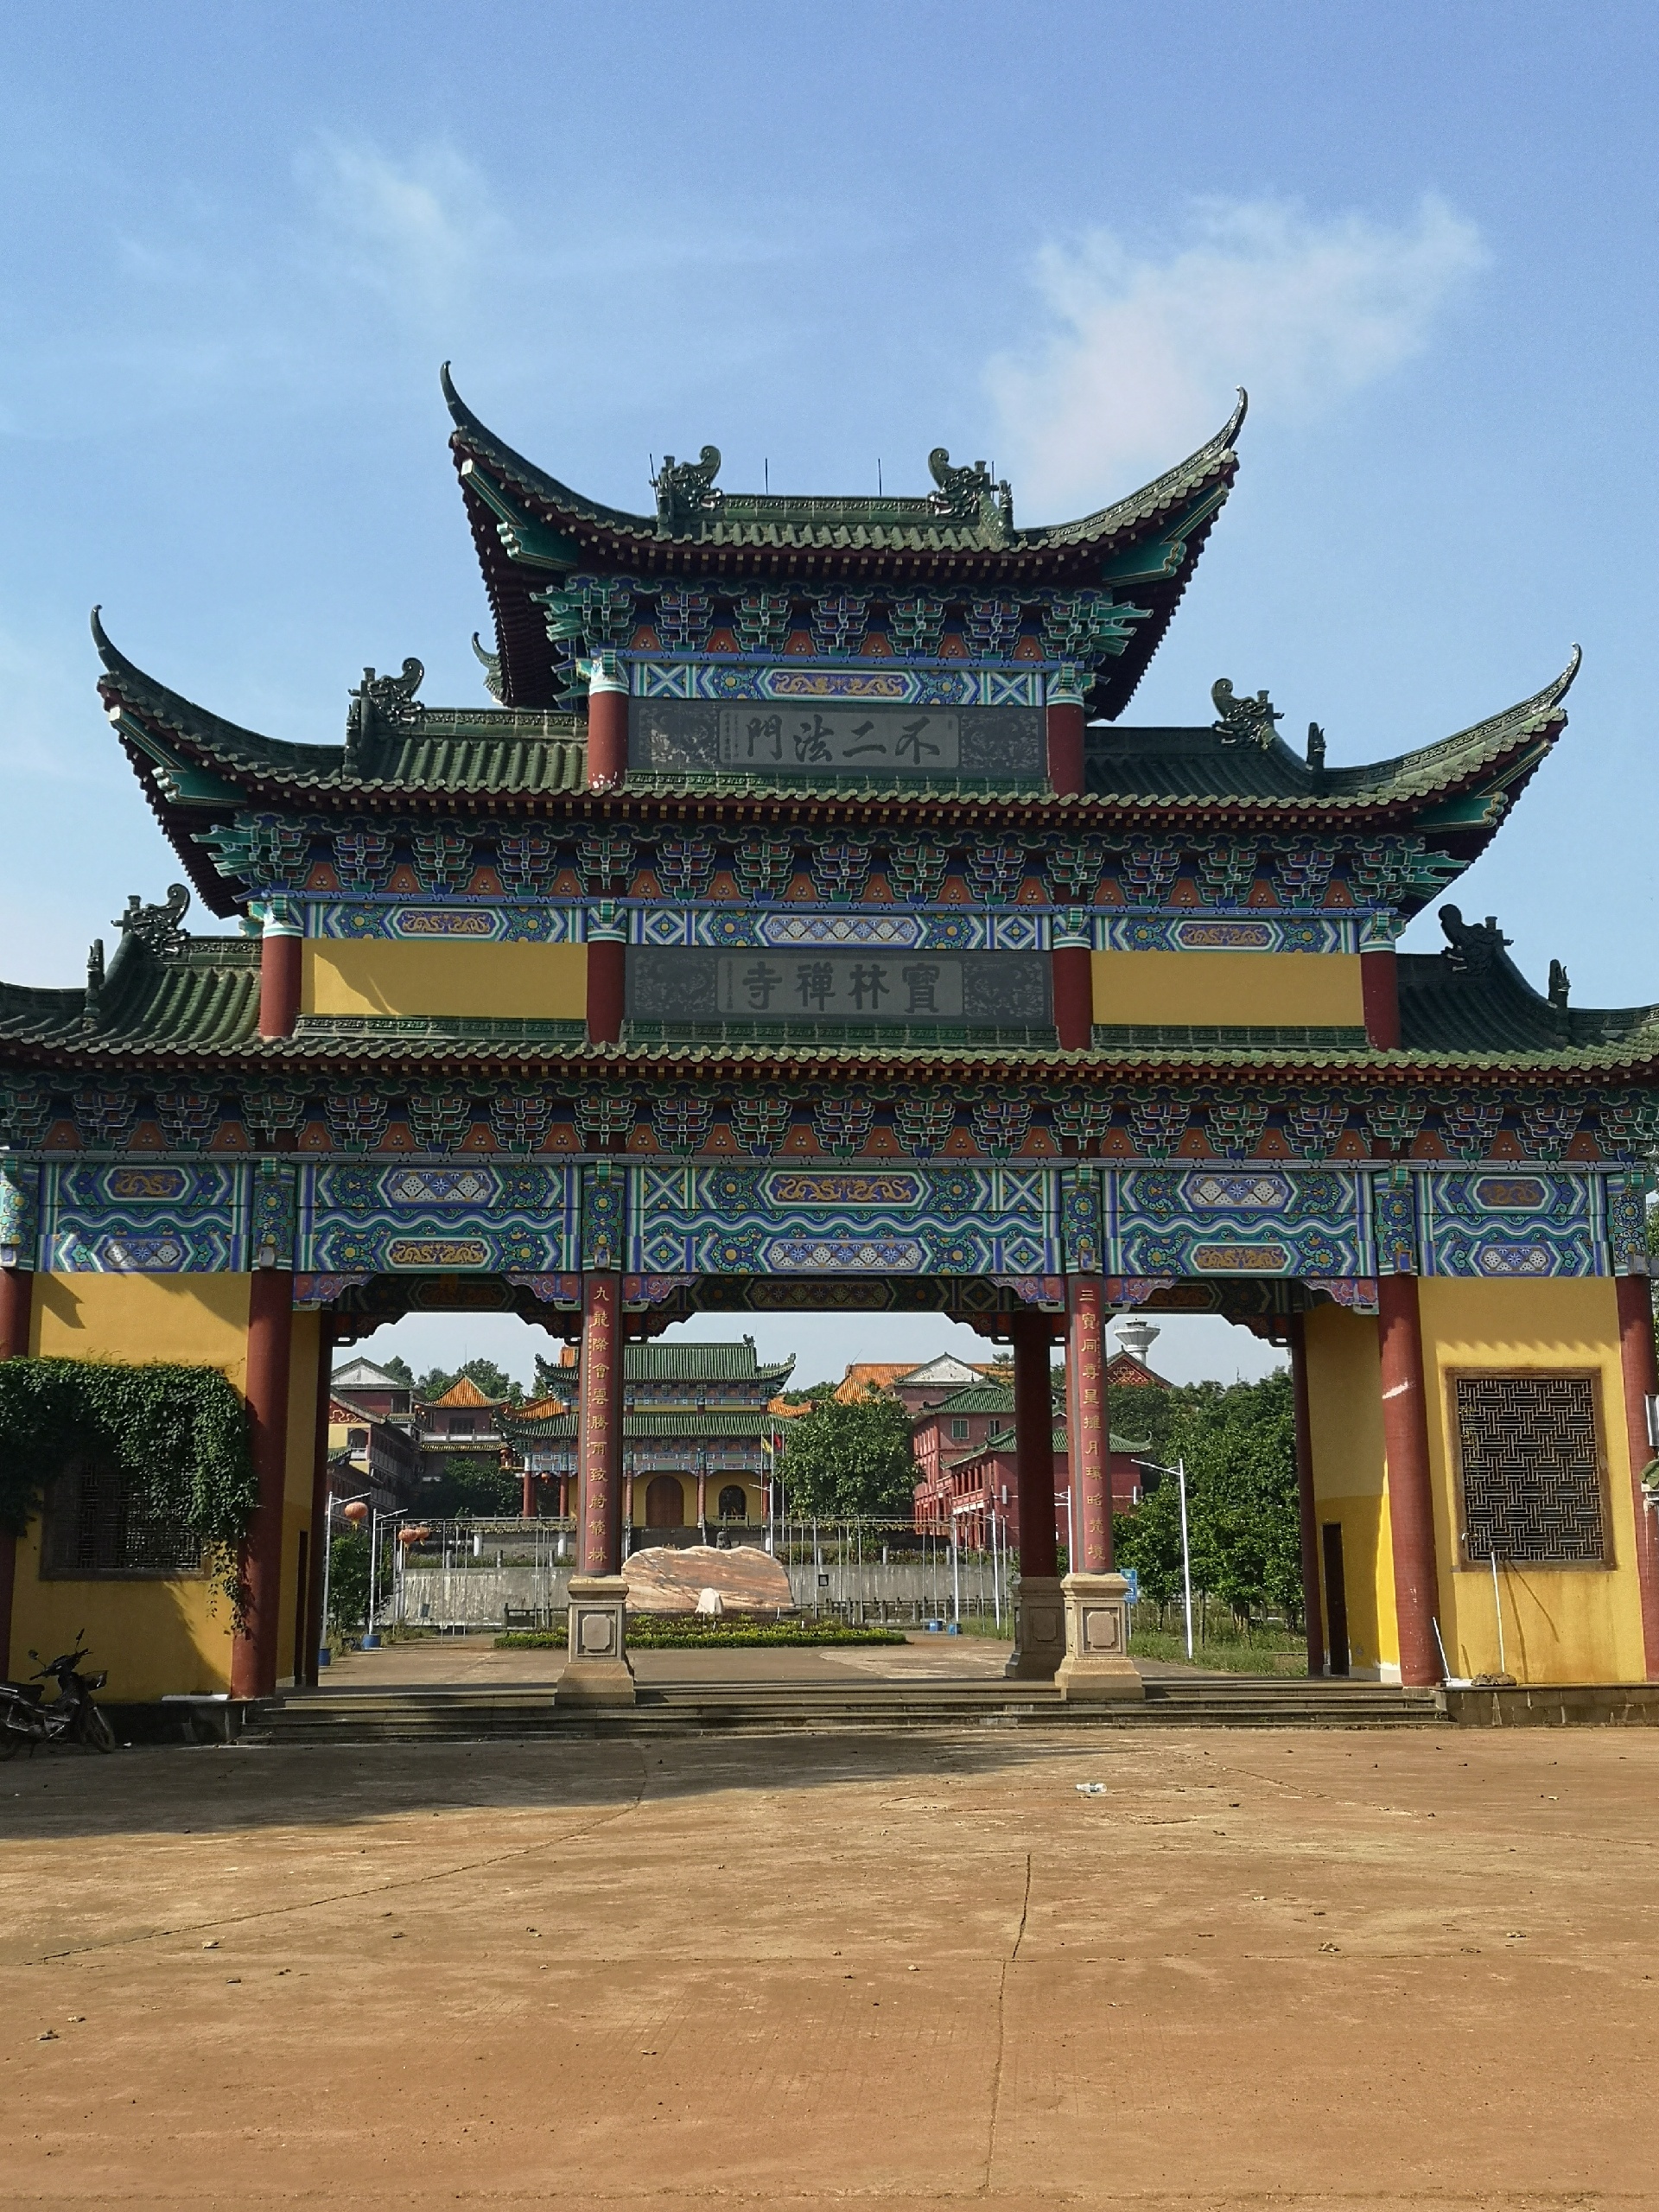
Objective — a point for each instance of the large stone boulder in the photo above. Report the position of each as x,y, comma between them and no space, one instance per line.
667,1581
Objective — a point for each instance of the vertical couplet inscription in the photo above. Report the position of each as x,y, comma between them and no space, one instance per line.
600,1413
1090,1470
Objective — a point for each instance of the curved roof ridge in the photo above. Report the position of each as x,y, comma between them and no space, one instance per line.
199,724
1480,738
533,478
1150,497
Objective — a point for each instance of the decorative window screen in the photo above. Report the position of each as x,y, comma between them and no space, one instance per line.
1529,1448
95,1529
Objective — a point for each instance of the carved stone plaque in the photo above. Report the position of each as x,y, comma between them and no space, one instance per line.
991,990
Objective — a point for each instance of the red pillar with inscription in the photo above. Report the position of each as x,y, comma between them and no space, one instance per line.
1411,1493
271,1334
598,1427
1313,1610
1091,1480
17,1312
1641,1383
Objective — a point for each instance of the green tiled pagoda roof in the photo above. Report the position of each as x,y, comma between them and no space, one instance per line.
1005,1440
530,530
651,1421
708,1362
1191,771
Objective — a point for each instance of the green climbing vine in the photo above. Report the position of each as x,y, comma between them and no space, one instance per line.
180,1434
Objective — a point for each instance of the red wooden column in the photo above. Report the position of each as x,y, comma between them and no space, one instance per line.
1312,1609
1065,720
1091,1478
1641,1383
599,1426
608,975
270,1338
1379,991
1033,1432
1411,1496
608,724
16,1311
279,951
305,1667
1073,960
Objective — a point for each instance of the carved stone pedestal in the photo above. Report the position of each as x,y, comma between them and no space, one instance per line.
1098,1662
1039,1629
597,1671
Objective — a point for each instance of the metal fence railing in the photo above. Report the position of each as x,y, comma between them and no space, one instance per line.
480,1574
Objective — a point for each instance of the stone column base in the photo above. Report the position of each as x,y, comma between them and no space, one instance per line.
1098,1662
1039,1629
597,1671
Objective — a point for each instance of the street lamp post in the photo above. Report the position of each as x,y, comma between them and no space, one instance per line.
1180,1472
328,1544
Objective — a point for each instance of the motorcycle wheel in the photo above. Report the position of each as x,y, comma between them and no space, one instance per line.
96,1731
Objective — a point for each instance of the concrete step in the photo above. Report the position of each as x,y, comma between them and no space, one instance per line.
453,1715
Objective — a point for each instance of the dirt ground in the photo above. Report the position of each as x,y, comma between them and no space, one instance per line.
1334,1969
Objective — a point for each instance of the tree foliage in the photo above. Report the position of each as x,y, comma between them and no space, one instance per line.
1239,1443
850,1461
471,1485
494,1382
178,1434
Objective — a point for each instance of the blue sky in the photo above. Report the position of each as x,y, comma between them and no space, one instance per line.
236,243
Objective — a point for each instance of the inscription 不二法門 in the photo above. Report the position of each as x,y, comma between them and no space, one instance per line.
909,741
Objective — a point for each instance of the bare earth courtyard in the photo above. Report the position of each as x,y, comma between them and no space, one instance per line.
1323,1968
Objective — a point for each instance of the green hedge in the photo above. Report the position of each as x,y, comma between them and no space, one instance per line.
681,1632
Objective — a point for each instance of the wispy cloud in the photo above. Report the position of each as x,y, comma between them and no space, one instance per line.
421,235
1144,348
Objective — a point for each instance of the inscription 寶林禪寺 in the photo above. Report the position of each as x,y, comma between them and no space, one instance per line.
437,1252
911,740
842,987
796,1187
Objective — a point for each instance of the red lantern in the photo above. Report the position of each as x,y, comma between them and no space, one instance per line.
407,1536
357,1513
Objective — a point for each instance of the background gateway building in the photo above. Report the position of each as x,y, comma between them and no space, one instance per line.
799,924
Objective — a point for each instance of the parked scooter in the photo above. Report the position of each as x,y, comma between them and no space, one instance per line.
26,1719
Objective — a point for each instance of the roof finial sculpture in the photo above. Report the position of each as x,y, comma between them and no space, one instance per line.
1243,720
388,699
490,664
1560,984
1472,948
970,495
1315,747
686,488
159,929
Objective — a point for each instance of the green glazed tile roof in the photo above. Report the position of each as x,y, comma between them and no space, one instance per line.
1192,770
723,1420
530,530
1005,1440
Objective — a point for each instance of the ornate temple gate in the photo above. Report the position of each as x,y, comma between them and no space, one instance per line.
801,925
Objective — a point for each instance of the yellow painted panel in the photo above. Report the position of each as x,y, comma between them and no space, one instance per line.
154,1637
302,1379
1561,1625
1344,1406
1235,989
200,1318
376,975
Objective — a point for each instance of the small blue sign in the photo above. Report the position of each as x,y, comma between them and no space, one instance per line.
1132,1576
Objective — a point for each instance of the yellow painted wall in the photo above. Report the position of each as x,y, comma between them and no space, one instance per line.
377,975
302,1379
1234,989
152,1636
1563,1624
1344,1404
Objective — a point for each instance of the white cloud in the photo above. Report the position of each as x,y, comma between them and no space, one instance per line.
422,233
1145,348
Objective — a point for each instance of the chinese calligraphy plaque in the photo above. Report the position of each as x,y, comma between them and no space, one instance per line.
984,988
772,737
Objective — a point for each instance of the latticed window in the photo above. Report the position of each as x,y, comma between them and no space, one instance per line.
97,1527
1530,1455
